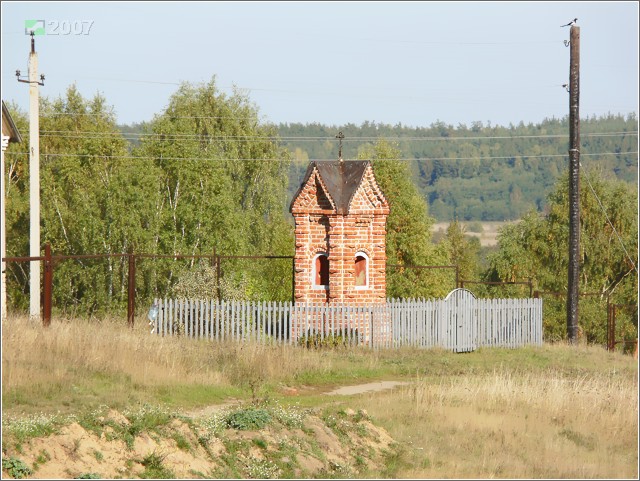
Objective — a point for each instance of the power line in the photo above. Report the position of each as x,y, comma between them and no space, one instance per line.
106,114
414,159
93,135
255,117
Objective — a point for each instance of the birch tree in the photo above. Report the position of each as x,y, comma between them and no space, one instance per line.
223,186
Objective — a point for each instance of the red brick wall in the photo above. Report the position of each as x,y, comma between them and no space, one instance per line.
320,229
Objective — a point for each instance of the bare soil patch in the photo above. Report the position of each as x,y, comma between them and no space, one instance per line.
342,445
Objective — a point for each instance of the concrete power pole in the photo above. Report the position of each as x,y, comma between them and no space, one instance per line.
34,179
573,294
3,238
34,183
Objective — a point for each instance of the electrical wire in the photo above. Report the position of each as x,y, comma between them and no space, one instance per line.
604,211
254,117
94,135
164,114
415,159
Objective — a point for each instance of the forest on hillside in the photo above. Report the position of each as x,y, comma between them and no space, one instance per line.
481,172
476,173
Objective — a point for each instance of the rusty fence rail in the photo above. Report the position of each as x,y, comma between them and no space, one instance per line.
50,260
419,268
217,260
500,283
612,315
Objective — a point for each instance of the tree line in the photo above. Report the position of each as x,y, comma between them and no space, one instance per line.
207,175
481,172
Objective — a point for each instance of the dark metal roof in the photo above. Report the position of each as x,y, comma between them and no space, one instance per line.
341,179
14,133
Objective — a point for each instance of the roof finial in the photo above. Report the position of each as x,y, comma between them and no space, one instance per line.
340,136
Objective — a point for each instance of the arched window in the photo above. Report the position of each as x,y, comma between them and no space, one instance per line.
361,270
321,271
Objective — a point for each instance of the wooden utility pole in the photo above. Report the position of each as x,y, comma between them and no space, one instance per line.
573,295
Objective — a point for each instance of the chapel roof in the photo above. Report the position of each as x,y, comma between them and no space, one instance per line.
341,178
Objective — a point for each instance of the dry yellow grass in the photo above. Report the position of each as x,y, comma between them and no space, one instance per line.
545,425
547,412
104,362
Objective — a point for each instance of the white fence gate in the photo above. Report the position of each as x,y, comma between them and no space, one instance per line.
459,322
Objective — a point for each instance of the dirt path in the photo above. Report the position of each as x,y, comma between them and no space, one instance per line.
362,388
342,391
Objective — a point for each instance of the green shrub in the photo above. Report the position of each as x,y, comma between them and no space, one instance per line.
249,419
16,468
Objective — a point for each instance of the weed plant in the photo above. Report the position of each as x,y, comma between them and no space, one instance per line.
16,468
154,467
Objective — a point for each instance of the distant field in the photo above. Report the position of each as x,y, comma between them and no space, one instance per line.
487,232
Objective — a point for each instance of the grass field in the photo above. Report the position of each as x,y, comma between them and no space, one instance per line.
554,411
486,232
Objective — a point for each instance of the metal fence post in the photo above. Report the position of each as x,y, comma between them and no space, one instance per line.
48,286
131,299
611,326
293,279
218,274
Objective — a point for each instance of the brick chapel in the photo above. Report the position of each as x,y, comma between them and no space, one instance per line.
340,217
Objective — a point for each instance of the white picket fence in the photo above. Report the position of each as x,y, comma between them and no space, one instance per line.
460,322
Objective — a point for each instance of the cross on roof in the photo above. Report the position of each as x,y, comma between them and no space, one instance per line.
340,136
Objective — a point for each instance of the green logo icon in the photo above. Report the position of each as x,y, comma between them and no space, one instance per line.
35,26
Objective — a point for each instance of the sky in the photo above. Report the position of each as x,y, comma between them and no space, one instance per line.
409,63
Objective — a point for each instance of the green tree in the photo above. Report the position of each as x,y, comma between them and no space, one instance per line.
537,247
463,251
408,229
92,201
17,211
223,181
